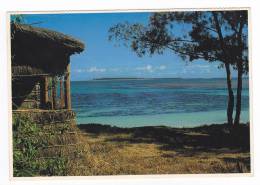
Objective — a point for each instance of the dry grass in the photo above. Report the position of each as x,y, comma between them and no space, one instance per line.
115,151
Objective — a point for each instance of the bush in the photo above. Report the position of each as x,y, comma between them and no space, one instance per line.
28,139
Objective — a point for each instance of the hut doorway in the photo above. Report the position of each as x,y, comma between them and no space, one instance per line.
55,92
41,92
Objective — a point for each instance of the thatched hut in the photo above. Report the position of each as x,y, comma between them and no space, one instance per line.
41,68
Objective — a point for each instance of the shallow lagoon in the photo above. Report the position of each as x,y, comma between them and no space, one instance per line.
142,102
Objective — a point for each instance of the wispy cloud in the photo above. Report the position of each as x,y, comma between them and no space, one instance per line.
96,70
149,68
115,69
162,67
91,70
79,70
196,69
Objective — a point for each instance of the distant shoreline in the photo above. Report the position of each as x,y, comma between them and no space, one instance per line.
97,79
137,78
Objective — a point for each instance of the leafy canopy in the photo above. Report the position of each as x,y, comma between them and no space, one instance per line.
191,35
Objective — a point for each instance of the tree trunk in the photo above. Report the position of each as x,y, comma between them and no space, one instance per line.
239,76
230,107
239,92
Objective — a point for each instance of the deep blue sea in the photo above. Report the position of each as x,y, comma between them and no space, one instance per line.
142,102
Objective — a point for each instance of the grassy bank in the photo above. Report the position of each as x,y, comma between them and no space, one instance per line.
46,149
65,149
166,150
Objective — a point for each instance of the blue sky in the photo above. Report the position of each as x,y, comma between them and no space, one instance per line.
102,59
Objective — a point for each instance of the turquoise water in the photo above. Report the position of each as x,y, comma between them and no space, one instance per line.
144,102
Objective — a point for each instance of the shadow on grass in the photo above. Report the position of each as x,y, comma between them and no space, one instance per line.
212,138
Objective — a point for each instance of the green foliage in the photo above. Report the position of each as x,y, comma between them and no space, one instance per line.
28,139
17,18
209,35
199,40
54,167
25,145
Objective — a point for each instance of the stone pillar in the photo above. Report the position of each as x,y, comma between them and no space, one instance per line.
67,88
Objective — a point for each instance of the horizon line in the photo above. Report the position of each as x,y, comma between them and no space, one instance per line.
147,78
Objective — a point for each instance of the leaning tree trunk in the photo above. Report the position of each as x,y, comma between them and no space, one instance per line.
239,92
230,107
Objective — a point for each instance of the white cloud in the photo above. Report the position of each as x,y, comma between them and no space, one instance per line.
91,70
196,69
149,68
79,70
114,69
162,67
96,70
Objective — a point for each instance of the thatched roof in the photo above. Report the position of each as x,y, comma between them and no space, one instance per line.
48,36
41,51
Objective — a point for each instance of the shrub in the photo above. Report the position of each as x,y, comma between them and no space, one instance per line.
28,139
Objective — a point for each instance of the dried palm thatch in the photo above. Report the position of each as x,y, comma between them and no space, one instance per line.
24,70
39,51
45,35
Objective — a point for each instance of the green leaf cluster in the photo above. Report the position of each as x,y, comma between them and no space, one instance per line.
28,139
